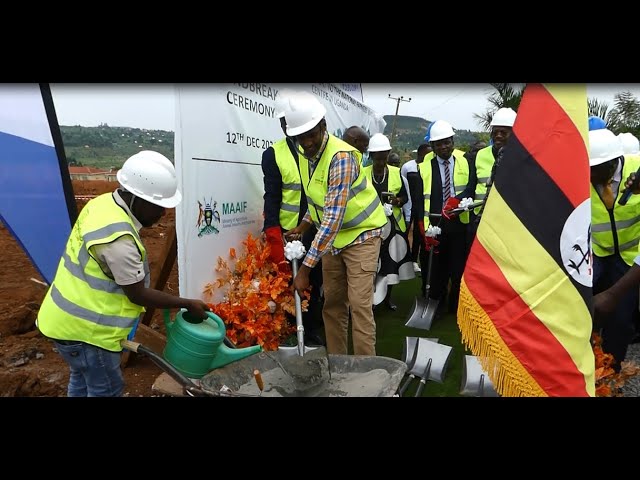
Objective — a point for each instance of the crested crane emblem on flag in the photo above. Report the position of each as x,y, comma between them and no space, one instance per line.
575,245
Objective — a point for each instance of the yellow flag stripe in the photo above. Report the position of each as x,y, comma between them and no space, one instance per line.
513,248
578,111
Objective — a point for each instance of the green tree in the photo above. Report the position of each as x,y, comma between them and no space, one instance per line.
599,109
507,95
625,116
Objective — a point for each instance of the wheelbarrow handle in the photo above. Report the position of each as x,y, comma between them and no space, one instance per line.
184,382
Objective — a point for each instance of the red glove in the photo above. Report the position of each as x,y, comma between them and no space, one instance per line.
451,204
276,244
428,242
431,242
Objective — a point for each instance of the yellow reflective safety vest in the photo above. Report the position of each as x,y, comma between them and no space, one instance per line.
623,229
364,209
484,164
82,302
460,181
394,184
291,186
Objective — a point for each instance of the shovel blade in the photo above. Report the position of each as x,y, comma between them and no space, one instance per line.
422,314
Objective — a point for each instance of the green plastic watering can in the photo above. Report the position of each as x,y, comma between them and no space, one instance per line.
196,346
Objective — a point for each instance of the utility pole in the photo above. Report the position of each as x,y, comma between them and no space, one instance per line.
395,118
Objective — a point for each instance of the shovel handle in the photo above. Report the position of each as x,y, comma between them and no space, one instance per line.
423,382
406,384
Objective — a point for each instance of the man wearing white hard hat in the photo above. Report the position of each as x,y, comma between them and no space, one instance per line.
284,208
446,180
347,212
615,232
501,129
102,283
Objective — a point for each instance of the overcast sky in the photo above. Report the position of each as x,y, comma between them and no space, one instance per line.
152,106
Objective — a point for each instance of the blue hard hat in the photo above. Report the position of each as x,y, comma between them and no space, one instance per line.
428,135
596,123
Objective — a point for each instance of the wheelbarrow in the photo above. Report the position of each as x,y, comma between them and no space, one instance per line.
317,374
424,309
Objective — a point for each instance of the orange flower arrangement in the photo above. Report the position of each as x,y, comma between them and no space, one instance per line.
608,382
258,298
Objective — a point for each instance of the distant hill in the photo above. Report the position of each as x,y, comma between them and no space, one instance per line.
410,132
106,147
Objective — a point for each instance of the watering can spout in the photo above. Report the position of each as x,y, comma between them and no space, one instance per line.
228,355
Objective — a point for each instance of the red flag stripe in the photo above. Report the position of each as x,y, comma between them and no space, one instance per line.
529,340
550,136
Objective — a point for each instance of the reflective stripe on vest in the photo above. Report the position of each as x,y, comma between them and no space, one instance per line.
484,164
291,186
364,210
627,220
83,303
460,181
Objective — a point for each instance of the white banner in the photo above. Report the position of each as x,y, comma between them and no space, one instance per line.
221,132
353,89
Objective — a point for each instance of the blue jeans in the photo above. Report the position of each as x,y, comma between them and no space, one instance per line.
94,371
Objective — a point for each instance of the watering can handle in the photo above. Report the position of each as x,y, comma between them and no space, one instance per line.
218,321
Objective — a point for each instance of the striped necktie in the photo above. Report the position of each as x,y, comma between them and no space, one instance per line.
446,187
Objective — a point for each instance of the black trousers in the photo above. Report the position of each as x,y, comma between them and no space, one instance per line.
448,265
416,246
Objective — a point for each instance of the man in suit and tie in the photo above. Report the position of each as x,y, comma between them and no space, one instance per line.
446,179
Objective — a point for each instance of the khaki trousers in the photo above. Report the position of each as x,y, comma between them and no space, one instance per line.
348,280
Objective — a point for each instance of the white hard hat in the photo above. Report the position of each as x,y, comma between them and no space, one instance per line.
603,146
304,111
281,101
439,130
152,177
630,144
504,117
379,143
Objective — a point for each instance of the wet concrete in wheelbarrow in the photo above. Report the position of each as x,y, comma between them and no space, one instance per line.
316,374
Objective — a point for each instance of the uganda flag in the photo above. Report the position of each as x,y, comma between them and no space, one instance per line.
525,298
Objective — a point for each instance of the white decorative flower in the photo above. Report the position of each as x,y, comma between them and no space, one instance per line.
388,209
465,202
433,231
256,285
294,249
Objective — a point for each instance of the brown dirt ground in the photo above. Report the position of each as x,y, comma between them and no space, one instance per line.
28,365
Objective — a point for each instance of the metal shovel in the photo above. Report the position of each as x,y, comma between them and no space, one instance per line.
299,325
424,309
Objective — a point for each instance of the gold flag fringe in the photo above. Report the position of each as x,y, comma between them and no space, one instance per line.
480,335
